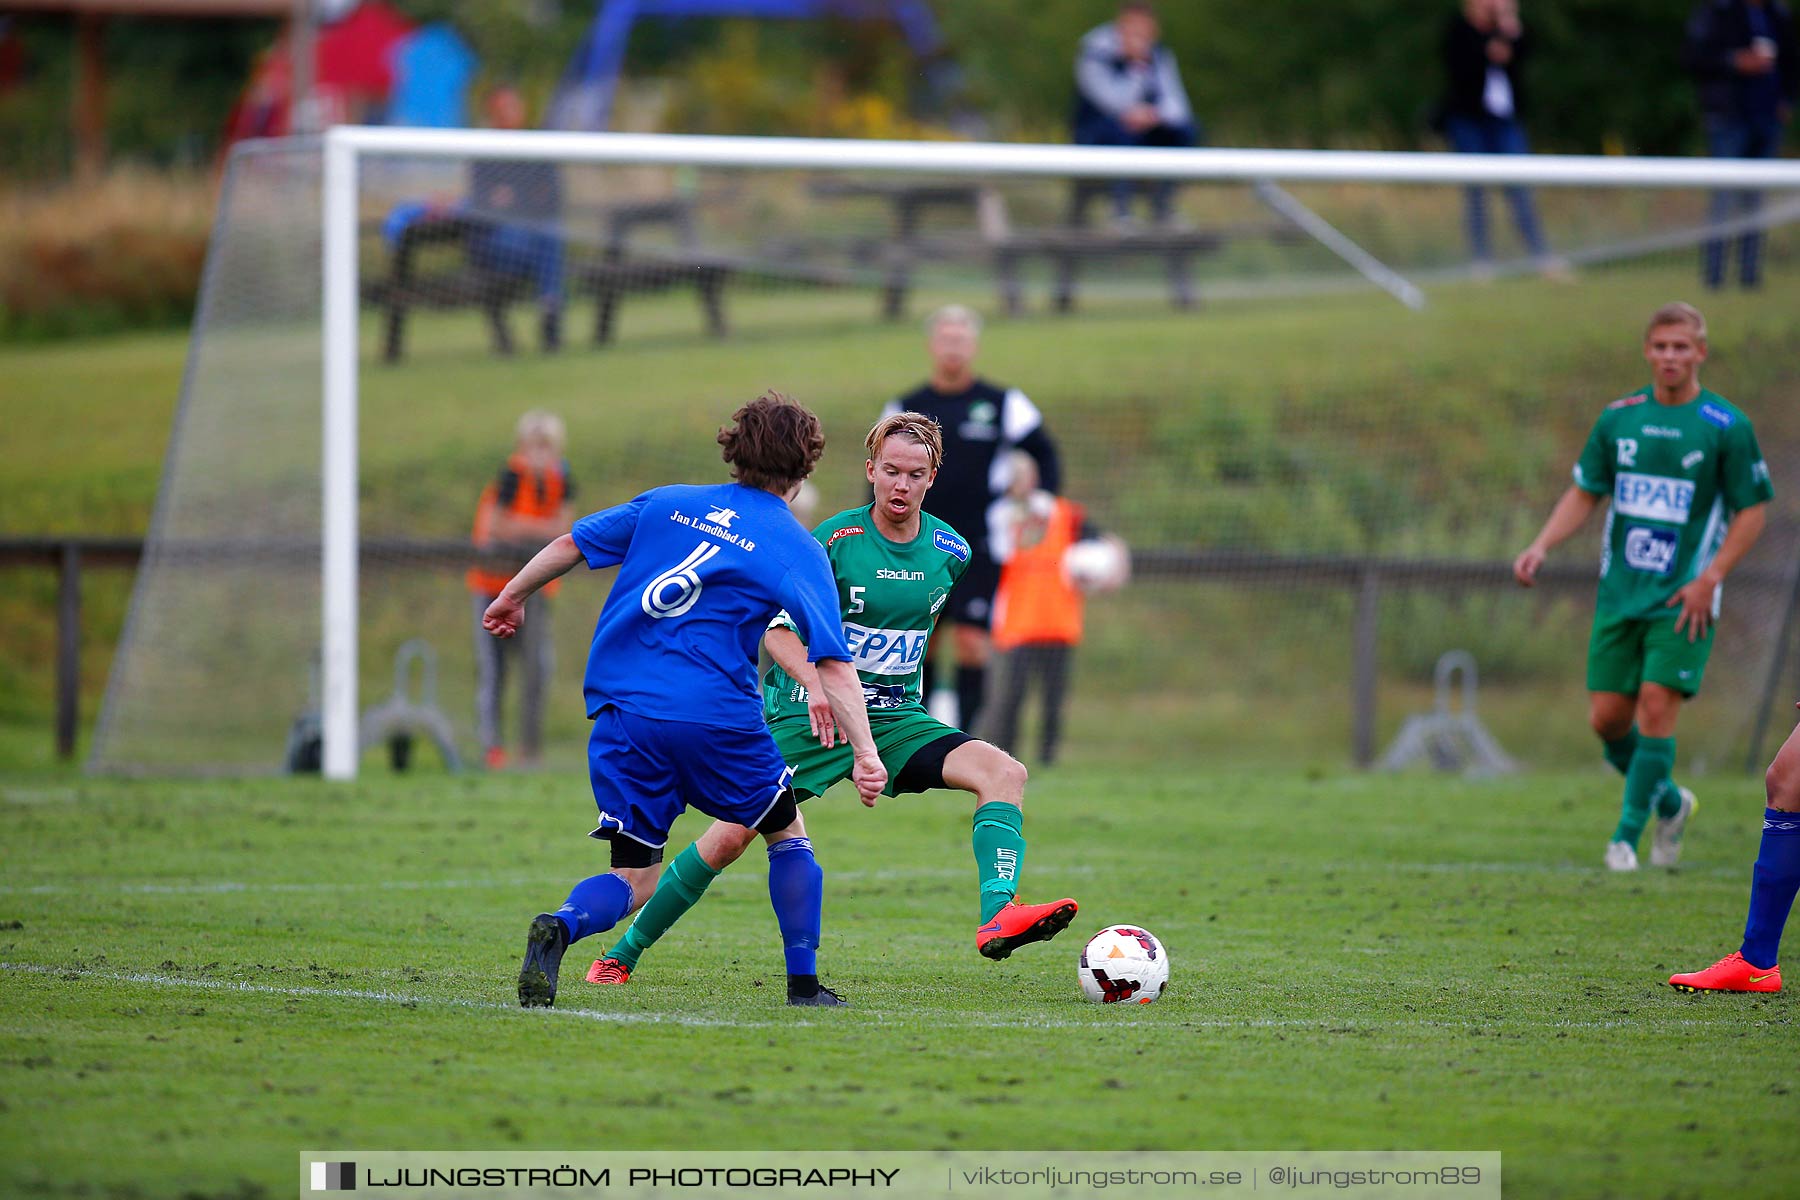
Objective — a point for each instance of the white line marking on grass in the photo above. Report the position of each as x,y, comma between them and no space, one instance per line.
373,996
1130,1018
232,887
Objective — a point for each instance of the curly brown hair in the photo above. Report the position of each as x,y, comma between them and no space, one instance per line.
772,443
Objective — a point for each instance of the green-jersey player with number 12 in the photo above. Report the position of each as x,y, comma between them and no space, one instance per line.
894,565
1689,491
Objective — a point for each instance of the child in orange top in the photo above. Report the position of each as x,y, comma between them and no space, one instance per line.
527,504
1038,608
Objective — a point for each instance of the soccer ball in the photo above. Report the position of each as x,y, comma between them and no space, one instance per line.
1097,565
1123,962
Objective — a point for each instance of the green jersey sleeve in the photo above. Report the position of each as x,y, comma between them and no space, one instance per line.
1594,469
1744,472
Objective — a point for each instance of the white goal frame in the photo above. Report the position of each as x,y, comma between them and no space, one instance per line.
344,147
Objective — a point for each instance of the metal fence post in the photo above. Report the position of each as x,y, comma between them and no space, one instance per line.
68,650
1362,670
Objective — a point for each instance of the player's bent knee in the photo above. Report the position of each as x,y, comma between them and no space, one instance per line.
1782,783
1014,776
723,843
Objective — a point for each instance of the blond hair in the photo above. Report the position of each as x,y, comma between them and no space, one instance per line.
953,314
915,427
540,425
1677,313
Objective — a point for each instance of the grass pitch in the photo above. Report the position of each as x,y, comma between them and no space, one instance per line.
202,979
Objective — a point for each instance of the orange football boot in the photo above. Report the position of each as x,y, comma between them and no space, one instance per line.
1729,974
1021,924
608,970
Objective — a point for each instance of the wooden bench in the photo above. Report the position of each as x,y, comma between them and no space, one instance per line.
621,270
464,286
990,235
617,270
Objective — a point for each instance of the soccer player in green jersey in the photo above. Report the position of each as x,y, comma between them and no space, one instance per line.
895,565
1689,491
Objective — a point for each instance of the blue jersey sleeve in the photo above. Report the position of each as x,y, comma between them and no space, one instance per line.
809,595
603,537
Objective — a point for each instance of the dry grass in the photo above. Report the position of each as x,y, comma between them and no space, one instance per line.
84,258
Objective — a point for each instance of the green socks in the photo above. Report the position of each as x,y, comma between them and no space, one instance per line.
999,853
1619,753
1647,787
679,889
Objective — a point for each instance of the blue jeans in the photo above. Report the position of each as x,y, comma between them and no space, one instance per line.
518,252
1097,129
1732,137
1494,135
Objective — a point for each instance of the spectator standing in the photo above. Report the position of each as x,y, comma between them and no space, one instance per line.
1743,57
517,210
528,502
981,421
1484,47
1038,609
1128,92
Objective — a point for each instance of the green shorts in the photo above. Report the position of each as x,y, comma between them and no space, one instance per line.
899,734
1626,652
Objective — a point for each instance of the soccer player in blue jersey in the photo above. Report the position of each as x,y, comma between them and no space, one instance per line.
1774,880
671,682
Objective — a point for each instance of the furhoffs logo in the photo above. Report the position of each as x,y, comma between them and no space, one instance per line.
334,1177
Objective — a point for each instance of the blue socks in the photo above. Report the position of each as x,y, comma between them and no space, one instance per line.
1773,882
594,905
797,892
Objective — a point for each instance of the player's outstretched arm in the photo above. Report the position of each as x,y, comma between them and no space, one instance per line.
504,615
1572,510
843,690
789,653
1696,598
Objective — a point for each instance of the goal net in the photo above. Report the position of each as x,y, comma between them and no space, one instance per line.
1323,423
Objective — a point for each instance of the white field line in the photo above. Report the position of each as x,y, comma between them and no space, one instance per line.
739,877
232,886
1129,1016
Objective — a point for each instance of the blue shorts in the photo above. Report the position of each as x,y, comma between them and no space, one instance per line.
646,771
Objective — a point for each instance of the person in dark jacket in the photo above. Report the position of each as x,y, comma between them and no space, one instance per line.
1484,47
1128,92
1745,62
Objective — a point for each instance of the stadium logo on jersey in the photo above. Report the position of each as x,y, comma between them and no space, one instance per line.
1716,415
1628,401
1651,550
1653,497
1661,431
1691,459
886,651
722,517
884,573
677,589
950,544
846,531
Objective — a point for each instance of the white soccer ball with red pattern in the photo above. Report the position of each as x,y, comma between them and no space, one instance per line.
1123,963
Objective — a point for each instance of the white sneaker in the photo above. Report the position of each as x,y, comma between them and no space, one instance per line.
1620,857
1665,846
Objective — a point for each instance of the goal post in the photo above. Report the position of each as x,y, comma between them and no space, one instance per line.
344,145
775,214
